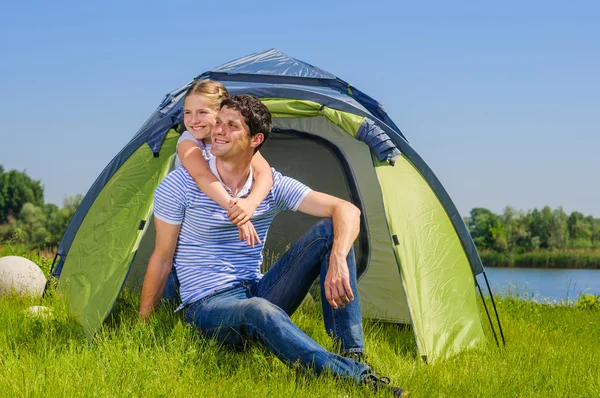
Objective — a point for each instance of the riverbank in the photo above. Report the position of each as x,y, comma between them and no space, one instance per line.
576,259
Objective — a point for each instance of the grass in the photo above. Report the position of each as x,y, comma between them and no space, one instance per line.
551,350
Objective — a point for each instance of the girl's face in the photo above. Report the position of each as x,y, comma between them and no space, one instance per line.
199,116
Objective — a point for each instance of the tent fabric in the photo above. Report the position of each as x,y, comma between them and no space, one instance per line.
436,274
281,108
274,66
272,62
378,141
109,235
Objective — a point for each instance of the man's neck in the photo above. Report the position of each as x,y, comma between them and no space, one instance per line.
234,173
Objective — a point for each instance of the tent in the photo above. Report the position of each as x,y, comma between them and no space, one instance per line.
415,257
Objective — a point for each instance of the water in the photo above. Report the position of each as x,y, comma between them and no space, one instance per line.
543,283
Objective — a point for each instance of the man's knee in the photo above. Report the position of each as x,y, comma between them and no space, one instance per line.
261,310
324,228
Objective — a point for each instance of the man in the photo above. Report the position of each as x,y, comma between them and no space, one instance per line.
223,293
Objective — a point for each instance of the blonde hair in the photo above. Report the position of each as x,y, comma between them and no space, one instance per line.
214,91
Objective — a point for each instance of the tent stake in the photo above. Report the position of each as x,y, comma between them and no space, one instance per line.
495,310
487,312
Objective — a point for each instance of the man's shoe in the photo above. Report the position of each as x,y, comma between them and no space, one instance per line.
377,383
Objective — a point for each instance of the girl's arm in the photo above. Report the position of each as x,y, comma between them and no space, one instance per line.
191,158
243,209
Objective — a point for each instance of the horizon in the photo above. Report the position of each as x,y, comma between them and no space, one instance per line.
499,100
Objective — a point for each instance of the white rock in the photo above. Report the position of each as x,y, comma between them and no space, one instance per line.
22,275
40,310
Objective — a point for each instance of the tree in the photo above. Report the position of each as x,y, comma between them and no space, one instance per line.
517,229
581,230
559,231
2,196
16,189
58,219
541,226
487,230
592,225
34,221
595,232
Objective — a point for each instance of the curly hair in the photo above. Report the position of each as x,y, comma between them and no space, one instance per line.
255,113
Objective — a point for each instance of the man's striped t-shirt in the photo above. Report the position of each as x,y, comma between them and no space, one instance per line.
209,255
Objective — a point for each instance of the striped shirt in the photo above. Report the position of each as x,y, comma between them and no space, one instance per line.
209,255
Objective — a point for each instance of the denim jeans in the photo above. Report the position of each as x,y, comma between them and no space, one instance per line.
260,310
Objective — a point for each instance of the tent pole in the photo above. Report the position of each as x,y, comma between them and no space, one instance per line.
495,310
53,262
50,276
487,312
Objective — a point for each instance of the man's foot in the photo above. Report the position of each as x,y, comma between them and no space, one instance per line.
377,383
356,356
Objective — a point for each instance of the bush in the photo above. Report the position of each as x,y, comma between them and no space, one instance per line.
496,259
581,244
588,302
583,259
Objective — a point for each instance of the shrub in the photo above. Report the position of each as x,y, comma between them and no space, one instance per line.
588,302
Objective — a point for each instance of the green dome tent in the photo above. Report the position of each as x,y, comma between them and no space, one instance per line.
415,257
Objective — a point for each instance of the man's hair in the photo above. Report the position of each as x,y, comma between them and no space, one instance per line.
214,91
255,113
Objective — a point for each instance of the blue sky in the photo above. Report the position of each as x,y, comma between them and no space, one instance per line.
501,99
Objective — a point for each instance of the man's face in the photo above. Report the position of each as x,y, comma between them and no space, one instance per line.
230,136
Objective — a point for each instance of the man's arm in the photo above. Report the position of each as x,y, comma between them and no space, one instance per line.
346,226
159,266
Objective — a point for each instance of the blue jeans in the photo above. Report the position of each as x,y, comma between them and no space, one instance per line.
260,309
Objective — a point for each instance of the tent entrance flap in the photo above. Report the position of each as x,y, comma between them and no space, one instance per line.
436,273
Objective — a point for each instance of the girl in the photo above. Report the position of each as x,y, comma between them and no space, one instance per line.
200,107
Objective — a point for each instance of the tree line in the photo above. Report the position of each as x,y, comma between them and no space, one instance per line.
25,218
516,231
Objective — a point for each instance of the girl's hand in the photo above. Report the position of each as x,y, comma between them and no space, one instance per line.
248,233
240,211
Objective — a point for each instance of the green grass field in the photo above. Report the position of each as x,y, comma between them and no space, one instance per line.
550,351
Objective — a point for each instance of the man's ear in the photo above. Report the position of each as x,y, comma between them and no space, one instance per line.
257,140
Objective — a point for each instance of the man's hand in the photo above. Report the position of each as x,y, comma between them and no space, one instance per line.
145,313
241,210
338,291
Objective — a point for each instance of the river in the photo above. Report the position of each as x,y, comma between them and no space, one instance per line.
542,283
